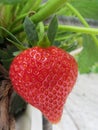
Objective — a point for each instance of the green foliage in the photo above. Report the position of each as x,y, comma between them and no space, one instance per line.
94,68
89,55
13,39
10,34
10,1
31,32
44,42
52,29
67,41
14,25
87,8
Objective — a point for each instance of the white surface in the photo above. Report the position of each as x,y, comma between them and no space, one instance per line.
80,112
31,120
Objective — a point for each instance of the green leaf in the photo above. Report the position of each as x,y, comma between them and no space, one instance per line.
52,29
44,42
20,47
10,1
94,68
11,35
87,8
31,32
89,55
30,5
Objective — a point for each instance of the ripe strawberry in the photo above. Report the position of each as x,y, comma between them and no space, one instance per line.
44,77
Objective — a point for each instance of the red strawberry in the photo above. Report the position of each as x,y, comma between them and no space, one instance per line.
44,77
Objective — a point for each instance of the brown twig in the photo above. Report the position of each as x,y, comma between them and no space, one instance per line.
4,89
4,117
12,123
6,120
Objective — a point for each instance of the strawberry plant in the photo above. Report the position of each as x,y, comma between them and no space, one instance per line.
36,48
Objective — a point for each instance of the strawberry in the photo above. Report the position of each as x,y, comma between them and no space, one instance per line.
44,77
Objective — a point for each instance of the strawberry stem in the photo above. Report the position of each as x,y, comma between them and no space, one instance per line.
44,42
51,7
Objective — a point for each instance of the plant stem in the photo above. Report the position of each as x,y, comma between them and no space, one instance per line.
50,8
65,28
78,29
67,37
28,5
10,34
78,14
82,20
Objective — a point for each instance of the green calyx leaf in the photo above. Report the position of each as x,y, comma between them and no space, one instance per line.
31,33
44,42
52,29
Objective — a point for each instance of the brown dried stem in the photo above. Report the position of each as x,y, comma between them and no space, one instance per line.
7,122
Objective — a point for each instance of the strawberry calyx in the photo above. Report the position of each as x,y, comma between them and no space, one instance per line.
44,42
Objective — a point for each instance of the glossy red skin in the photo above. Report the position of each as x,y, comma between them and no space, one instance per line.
44,77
